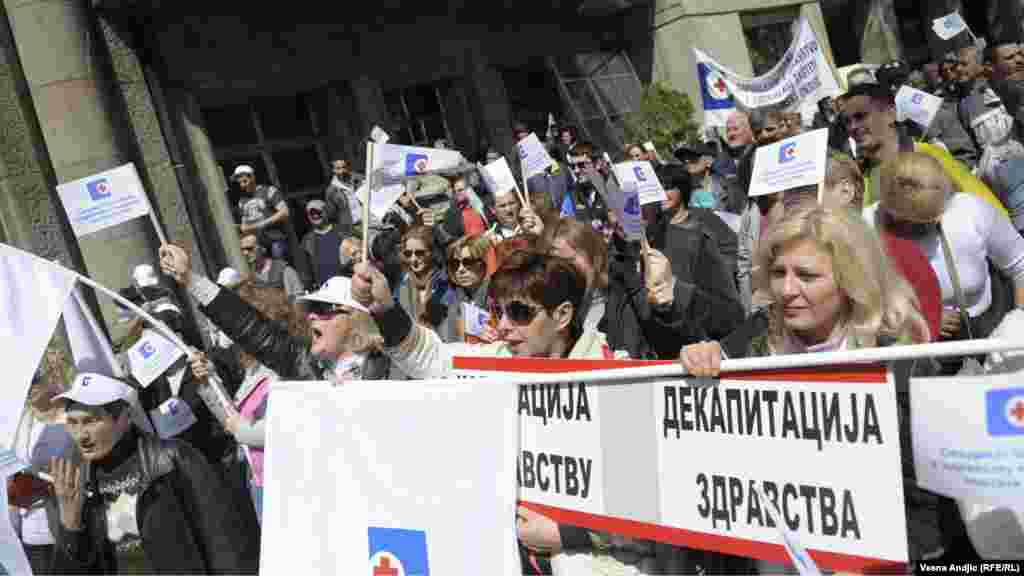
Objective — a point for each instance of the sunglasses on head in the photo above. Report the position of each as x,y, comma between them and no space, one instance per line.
416,253
518,312
457,263
325,309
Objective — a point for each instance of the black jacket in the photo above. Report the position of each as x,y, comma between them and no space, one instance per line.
270,343
189,521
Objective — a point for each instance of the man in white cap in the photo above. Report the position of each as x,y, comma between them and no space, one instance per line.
139,490
332,312
263,209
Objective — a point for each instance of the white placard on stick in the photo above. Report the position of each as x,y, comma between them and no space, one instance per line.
104,200
533,155
917,106
790,163
647,184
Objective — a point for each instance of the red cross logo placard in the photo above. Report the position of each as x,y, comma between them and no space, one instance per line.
717,87
1015,411
386,564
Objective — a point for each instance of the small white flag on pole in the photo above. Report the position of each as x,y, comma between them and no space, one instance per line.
394,164
917,106
533,156
949,25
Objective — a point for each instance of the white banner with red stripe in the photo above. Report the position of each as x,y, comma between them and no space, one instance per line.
693,465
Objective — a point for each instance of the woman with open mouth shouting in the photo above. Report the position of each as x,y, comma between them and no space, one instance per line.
341,345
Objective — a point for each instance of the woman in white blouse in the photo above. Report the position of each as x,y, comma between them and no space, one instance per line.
918,201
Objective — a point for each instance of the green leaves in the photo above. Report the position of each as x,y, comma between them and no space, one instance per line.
665,116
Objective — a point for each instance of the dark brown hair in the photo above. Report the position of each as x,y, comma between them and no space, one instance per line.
546,280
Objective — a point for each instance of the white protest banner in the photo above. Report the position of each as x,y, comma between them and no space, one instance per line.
795,161
642,174
501,176
405,474
982,457
949,25
393,165
533,156
692,476
801,78
12,554
151,356
916,105
103,200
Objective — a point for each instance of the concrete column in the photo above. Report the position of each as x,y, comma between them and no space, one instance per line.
211,177
718,35
59,51
487,88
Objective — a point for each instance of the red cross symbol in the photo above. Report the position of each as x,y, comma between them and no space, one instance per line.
721,86
1018,412
384,568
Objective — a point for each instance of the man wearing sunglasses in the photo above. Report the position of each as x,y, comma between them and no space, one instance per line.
536,297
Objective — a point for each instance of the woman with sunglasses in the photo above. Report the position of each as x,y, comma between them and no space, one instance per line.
536,297
470,282
320,355
423,288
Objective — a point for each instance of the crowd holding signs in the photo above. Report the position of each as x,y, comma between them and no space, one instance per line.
791,407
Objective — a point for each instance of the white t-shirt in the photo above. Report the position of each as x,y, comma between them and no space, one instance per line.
976,232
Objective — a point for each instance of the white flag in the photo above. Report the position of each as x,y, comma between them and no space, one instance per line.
104,200
379,136
533,157
382,500
393,165
918,106
89,346
949,25
499,175
642,174
32,296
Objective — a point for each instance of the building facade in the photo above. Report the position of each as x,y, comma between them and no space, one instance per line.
187,90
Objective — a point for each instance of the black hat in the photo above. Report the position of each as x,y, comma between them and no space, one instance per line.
692,150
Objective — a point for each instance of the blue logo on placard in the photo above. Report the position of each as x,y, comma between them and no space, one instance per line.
522,151
146,350
917,98
98,189
787,152
415,164
632,206
172,407
638,171
398,552
1004,412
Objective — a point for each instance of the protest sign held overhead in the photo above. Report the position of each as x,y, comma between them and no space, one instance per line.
917,106
104,200
626,206
533,156
949,25
393,165
499,177
801,78
796,161
151,356
642,175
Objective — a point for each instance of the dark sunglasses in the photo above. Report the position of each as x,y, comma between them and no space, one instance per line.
580,165
325,309
314,213
416,253
456,263
519,313
248,248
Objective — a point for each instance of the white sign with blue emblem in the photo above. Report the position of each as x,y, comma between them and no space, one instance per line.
151,356
103,200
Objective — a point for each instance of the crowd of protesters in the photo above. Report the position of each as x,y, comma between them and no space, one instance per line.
915,238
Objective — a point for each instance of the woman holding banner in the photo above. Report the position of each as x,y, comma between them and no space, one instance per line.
833,290
536,301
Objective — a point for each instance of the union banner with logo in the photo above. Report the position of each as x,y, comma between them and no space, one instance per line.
801,78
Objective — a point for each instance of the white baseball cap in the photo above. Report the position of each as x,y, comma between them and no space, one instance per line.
96,390
337,290
242,169
229,278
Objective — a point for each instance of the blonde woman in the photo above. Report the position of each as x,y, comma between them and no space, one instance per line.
470,282
833,290
918,202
